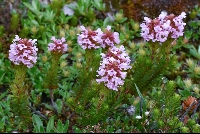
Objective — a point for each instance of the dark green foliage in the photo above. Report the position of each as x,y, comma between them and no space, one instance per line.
149,69
165,111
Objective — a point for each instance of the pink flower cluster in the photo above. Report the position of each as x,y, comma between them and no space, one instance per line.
23,51
111,68
58,45
89,39
162,27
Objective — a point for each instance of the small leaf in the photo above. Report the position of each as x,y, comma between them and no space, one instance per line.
66,126
106,21
50,124
60,127
34,22
185,93
38,122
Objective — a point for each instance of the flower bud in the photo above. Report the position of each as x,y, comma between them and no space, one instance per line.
72,32
136,26
44,58
196,90
141,51
34,30
127,36
63,64
132,45
66,27
197,70
70,49
78,65
119,16
66,73
189,62
79,55
69,42
122,28
62,33
188,83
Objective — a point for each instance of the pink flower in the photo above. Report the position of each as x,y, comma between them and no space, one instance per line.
109,38
58,45
111,67
163,27
89,39
23,51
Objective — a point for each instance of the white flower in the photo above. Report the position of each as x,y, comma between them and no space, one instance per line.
146,113
138,117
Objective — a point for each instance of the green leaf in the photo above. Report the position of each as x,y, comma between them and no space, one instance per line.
185,93
27,5
30,15
34,22
3,94
37,121
60,127
66,126
1,111
1,77
59,105
106,21
139,93
50,124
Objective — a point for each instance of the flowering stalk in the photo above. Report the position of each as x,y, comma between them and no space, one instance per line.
57,48
110,71
23,53
162,31
89,40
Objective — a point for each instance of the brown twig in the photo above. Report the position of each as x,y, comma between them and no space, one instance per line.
182,117
52,102
37,112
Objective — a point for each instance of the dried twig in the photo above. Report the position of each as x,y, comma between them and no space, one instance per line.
52,102
37,112
182,117
195,110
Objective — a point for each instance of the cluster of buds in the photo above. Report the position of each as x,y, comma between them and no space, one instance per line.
89,39
163,27
58,45
111,67
23,51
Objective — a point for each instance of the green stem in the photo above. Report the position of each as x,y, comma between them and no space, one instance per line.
18,82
